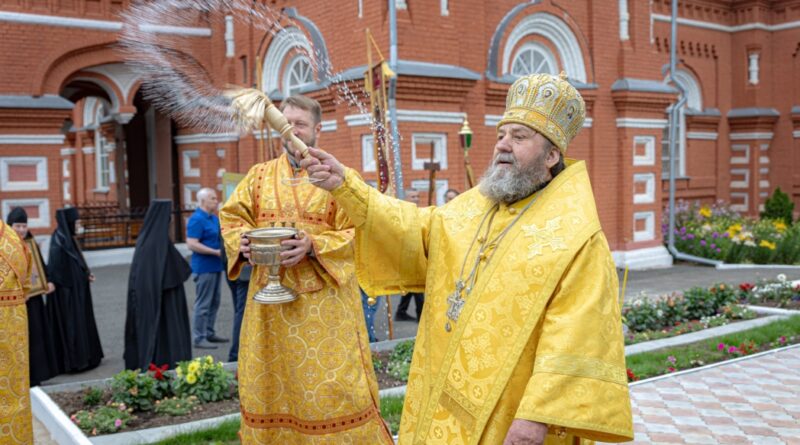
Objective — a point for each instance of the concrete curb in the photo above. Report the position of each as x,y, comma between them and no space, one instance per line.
61,429
773,314
725,266
388,345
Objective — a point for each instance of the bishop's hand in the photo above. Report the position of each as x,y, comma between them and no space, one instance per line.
325,171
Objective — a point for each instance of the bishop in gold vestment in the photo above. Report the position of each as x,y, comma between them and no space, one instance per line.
521,324
305,369
15,401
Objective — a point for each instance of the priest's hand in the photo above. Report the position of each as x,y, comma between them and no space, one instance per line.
525,432
298,248
326,172
244,249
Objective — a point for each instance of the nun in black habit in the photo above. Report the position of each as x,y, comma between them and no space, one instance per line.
157,323
40,340
77,343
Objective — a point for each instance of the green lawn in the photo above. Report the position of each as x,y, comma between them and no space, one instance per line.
644,365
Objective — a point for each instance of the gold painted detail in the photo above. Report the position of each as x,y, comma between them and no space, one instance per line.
590,368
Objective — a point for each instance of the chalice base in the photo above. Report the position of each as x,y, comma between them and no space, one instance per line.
274,293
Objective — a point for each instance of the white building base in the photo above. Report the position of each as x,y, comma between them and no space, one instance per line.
640,259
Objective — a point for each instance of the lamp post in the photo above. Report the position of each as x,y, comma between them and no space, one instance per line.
465,138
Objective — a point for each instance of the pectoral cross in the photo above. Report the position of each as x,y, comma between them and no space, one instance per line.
433,166
454,305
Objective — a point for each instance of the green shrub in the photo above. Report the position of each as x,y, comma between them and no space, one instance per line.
103,420
176,406
138,391
92,397
400,360
204,379
779,207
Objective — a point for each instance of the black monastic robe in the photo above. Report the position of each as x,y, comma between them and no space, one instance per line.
157,323
77,342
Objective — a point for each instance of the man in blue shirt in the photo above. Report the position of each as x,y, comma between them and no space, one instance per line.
203,239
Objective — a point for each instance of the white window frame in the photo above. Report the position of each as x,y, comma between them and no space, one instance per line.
418,160
368,163
41,182
44,210
288,88
694,101
535,48
649,232
186,163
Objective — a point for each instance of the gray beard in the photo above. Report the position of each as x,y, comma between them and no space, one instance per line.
509,185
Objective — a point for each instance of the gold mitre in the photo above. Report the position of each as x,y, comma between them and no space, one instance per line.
548,104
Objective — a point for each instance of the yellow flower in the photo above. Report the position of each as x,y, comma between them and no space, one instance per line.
191,378
768,244
705,212
209,359
733,229
780,226
179,371
194,367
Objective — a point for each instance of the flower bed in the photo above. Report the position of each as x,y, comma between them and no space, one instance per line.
718,233
133,400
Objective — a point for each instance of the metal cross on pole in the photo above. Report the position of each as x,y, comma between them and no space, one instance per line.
433,167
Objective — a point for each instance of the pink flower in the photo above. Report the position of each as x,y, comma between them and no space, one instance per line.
118,423
721,347
672,359
782,339
731,349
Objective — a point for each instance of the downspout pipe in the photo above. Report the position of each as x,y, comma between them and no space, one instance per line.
674,117
398,161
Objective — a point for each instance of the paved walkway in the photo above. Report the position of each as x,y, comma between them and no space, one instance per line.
755,400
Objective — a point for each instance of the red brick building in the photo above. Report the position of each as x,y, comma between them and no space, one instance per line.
74,127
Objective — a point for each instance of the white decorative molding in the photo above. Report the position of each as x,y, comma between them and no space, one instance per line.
649,156
230,47
201,138
764,147
745,158
558,33
624,20
444,8
221,153
649,231
40,164
702,135
43,204
725,28
441,188
367,154
763,170
434,117
65,168
640,122
763,184
640,259
421,156
124,77
796,134
691,87
745,201
283,43
401,5
189,192
32,139
763,160
186,162
649,181
97,25
491,120
742,183
750,136
329,125
752,68
67,151
87,150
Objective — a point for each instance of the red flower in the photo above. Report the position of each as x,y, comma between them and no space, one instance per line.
158,371
631,376
747,287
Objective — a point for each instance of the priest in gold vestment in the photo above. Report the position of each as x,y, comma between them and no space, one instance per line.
305,369
15,400
520,340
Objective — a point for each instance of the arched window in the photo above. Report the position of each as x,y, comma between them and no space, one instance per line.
298,74
99,109
533,58
694,102
557,33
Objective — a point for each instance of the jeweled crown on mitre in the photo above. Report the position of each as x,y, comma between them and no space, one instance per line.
548,104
